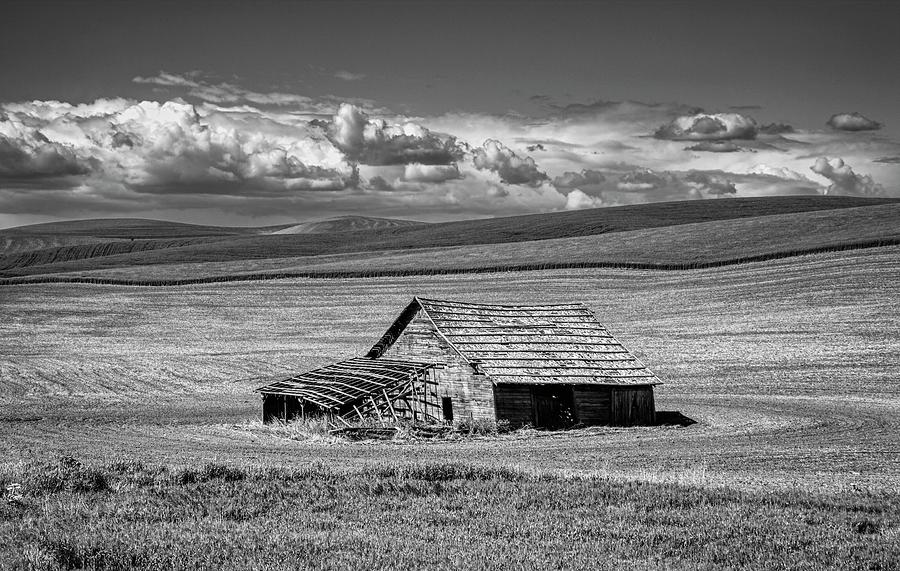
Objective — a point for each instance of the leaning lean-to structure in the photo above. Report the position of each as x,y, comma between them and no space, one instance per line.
545,365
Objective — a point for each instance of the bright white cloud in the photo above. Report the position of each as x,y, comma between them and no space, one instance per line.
843,179
578,200
416,172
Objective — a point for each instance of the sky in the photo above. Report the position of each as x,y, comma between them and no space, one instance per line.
256,113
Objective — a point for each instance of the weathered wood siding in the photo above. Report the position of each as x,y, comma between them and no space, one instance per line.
633,406
593,404
514,404
472,395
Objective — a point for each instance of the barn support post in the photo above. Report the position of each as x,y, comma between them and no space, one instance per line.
390,405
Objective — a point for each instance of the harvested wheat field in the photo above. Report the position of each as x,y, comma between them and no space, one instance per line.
789,368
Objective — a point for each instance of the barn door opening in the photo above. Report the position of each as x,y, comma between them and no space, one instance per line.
553,406
447,408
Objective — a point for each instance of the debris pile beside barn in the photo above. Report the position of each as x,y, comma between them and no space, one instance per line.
548,366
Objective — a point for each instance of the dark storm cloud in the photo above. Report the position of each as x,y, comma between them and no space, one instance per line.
887,160
852,122
374,142
702,126
746,107
513,169
844,180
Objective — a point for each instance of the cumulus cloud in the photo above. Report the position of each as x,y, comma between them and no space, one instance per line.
708,127
378,182
844,180
34,158
852,122
216,145
578,200
710,184
777,172
642,180
165,147
374,142
583,179
416,172
513,169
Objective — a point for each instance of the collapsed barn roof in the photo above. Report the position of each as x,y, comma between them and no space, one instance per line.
343,384
527,344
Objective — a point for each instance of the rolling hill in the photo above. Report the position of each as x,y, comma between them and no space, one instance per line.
347,224
679,233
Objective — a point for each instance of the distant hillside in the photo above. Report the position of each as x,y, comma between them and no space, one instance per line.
127,228
606,236
347,224
18,243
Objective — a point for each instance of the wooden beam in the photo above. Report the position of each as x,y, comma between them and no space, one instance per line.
377,412
387,399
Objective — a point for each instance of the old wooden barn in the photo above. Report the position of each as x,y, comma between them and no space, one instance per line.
549,366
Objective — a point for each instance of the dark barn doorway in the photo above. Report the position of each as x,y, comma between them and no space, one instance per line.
447,408
553,406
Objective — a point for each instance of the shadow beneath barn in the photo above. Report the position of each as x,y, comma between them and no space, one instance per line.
673,418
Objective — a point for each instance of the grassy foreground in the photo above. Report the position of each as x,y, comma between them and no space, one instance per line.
428,515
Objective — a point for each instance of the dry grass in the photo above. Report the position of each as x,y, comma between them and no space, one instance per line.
447,515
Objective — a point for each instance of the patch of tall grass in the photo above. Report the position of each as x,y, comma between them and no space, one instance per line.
448,515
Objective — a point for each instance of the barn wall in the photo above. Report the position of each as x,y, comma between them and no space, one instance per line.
514,404
593,404
473,395
633,406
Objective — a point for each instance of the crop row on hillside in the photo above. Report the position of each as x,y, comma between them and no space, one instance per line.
68,253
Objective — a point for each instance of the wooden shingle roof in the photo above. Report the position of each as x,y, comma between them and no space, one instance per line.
346,382
529,344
